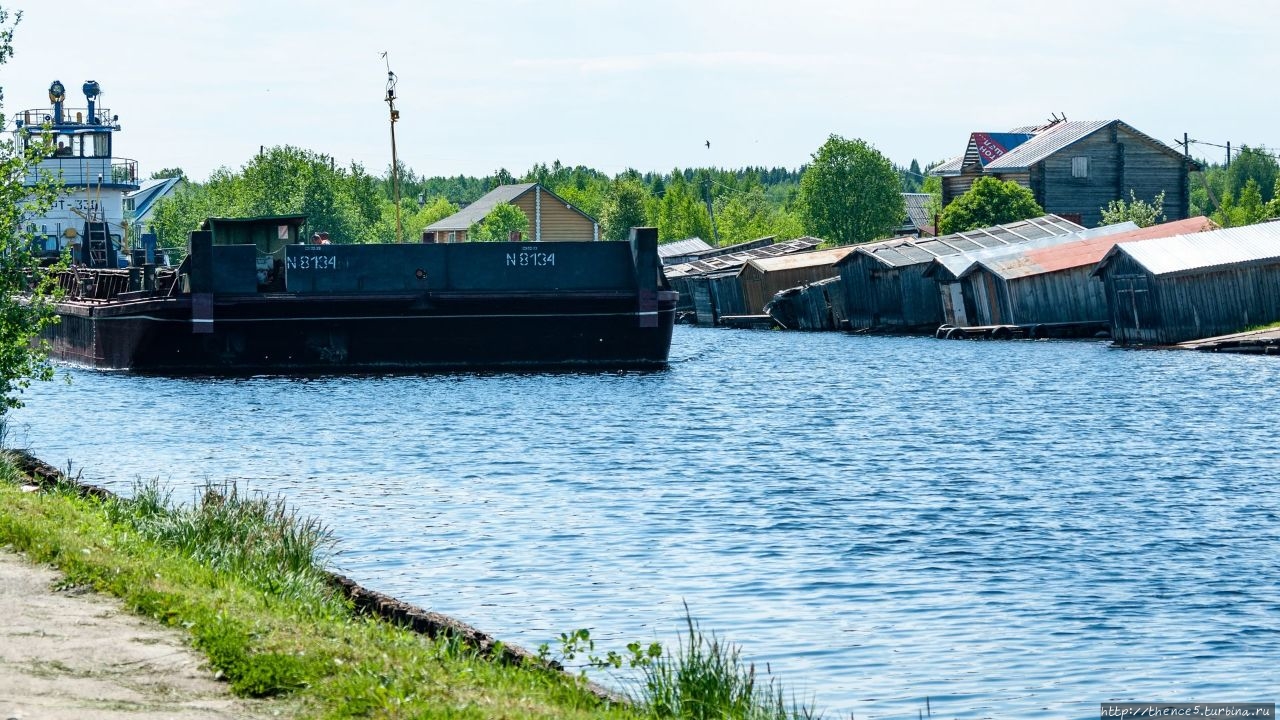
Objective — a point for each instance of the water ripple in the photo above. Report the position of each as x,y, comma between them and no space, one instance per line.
1006,529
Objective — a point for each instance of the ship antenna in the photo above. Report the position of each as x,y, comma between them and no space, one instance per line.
395,165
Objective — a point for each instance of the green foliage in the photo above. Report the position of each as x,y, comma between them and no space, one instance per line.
624,208
169,173
27,291
989,202
1141,212
498,225
1247,209
705,678
345,202
748,215
681,212
850,193
1254,164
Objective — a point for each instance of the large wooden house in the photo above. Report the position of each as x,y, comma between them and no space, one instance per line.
1075,168
551,217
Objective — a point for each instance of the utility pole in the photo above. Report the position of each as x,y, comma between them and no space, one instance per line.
1228,153
395,164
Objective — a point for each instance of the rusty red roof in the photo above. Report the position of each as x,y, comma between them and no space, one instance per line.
1019,263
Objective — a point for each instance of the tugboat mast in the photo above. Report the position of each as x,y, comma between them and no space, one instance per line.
395,165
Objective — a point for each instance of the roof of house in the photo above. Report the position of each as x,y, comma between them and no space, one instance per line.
150,192
812,258
1189,253
918,209
957,266
476,211
901,252
1023,261
1044,142
733,261
682,247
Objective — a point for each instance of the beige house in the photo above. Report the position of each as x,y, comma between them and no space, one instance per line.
551,218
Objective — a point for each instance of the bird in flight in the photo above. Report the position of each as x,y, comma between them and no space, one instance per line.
708,144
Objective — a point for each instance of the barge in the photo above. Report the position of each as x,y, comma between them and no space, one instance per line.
250,298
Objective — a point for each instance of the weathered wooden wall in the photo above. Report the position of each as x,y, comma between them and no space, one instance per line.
891,298
1163,310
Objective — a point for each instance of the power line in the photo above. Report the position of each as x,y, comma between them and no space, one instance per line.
1235,150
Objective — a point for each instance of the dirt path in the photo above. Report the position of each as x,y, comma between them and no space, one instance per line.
70,654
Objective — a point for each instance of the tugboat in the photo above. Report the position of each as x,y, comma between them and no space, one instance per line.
250,297
88,215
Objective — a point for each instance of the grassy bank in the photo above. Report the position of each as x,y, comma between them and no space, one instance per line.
245,577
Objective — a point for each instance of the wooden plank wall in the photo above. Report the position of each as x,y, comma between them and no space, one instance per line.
1204,305
558,221
1069,295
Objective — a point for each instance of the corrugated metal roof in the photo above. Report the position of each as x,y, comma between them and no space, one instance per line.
1028,261
960,265
812,258
682,247
1199,251
950,167
736,247
918,209
901,252
734,261
1046,143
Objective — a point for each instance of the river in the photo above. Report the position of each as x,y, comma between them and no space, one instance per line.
1016,529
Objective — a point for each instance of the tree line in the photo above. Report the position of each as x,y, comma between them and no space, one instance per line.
848,193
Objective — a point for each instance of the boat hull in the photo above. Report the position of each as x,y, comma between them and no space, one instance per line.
284,334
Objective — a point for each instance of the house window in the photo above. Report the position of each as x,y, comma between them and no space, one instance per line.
1079,167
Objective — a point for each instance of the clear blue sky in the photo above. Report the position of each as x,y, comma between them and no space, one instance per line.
611,84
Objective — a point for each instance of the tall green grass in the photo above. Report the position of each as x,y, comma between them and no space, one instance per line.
707,679
257,537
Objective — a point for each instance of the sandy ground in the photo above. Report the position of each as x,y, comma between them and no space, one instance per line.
71,654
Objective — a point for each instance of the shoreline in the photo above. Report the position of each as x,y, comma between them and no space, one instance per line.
364,601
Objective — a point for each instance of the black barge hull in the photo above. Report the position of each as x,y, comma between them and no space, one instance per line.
384,308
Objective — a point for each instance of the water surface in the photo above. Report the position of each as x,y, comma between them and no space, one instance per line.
1020,529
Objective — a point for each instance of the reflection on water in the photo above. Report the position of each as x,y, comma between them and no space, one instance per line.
1018,529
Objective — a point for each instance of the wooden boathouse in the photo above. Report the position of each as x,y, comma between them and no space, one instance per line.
762,278
816,306
1028,285
709,287
885,288
1075,168
968,302
1185,287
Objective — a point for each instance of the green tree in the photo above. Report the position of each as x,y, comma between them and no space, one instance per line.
989,202
681,213
1246,210
850,193
346,202
624,208
27,291
1141,212
168,173
498,225
1252,164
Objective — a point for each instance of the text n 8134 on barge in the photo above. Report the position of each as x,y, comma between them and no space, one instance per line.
250,298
